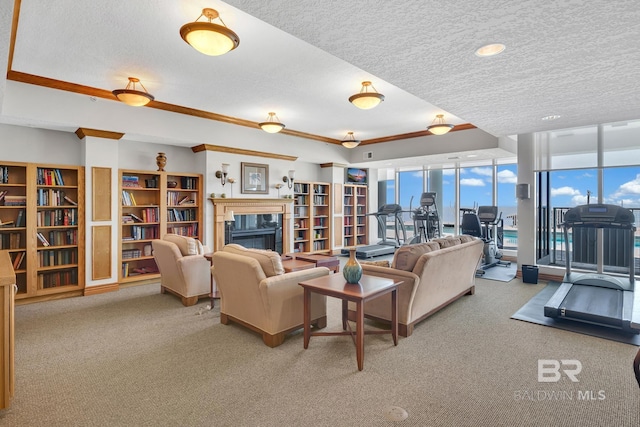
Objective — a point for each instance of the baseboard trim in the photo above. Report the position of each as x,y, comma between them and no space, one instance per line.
101,289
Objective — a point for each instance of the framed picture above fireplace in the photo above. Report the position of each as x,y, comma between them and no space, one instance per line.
254,178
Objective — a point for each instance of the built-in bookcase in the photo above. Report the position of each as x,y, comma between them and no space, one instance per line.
355,215
13,218
312,225
151,205
42,214
183,205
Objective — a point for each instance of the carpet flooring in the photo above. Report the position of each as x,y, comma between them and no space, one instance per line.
533,311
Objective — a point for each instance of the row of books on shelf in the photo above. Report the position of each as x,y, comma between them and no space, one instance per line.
148,215
320,222
10,240
51,197
319,245
299,187
12,200
139,232
320,200
131,253
133,270
130,181
189,183
190,230
174,198
58,278
182,215
57,217
4,174
128,199
49,177
19,222
51,258
59,238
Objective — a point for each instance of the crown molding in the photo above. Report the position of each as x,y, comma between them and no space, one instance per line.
82,133
242,151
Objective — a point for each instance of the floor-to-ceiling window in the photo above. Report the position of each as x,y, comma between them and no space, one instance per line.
507,177
410,188
594,164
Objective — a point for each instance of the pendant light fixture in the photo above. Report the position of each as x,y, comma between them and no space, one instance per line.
365,99
438,125
131,96
272,125
207,37
349,141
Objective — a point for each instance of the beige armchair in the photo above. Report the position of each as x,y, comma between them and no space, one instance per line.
184,271
256,292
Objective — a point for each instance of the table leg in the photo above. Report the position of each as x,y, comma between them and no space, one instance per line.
307,317
345,314
394,316
360,334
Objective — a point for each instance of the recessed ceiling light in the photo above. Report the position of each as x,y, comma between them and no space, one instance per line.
453,158
472,155
490,50
551,117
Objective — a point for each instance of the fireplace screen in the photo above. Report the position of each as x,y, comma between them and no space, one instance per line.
259,231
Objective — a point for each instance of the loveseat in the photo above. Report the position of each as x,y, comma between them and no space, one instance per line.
432,275
256,292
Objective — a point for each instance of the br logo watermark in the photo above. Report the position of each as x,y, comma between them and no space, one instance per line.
553,371
549,370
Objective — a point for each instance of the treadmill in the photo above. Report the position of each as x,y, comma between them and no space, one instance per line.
598,298
386,246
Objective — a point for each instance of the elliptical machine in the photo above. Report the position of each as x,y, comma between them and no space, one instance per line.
483,223
426,221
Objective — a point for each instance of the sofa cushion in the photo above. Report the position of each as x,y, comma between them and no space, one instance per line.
465,238
447,242
270,261
381,263
187,245
406,256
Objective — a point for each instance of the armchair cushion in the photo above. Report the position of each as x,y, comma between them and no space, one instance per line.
187,245
270,261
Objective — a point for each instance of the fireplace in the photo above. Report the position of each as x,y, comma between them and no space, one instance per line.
258,221
262,231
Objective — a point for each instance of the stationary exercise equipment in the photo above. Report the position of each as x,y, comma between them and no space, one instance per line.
483,223
598,298
426,221
387,246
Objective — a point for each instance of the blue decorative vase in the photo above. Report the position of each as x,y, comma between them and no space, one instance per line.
352,270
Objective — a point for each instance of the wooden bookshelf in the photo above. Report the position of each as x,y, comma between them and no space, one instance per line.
152,204
312,217
355,215
46,239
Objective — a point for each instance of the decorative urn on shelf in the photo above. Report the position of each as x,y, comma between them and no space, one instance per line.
161,161
352,270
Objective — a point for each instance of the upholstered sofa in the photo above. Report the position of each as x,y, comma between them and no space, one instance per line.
432,275
256,292
184,271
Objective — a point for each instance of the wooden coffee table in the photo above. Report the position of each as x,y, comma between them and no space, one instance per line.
370,287
290,265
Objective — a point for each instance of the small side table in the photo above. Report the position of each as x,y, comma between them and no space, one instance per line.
370,287
214,290
290,265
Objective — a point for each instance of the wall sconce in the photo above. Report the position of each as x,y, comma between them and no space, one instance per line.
289,179
223,173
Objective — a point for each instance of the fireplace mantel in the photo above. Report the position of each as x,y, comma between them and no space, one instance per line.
247,206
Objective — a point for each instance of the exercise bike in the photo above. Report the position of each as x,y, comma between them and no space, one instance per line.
483,223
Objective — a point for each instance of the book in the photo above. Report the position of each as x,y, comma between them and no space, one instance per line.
20,219
6,223
42,239
17,261
70,201
136,217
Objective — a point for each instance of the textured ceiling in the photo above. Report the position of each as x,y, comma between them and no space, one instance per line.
303,59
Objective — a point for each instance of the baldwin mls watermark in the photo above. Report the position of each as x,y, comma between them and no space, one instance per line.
553,371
